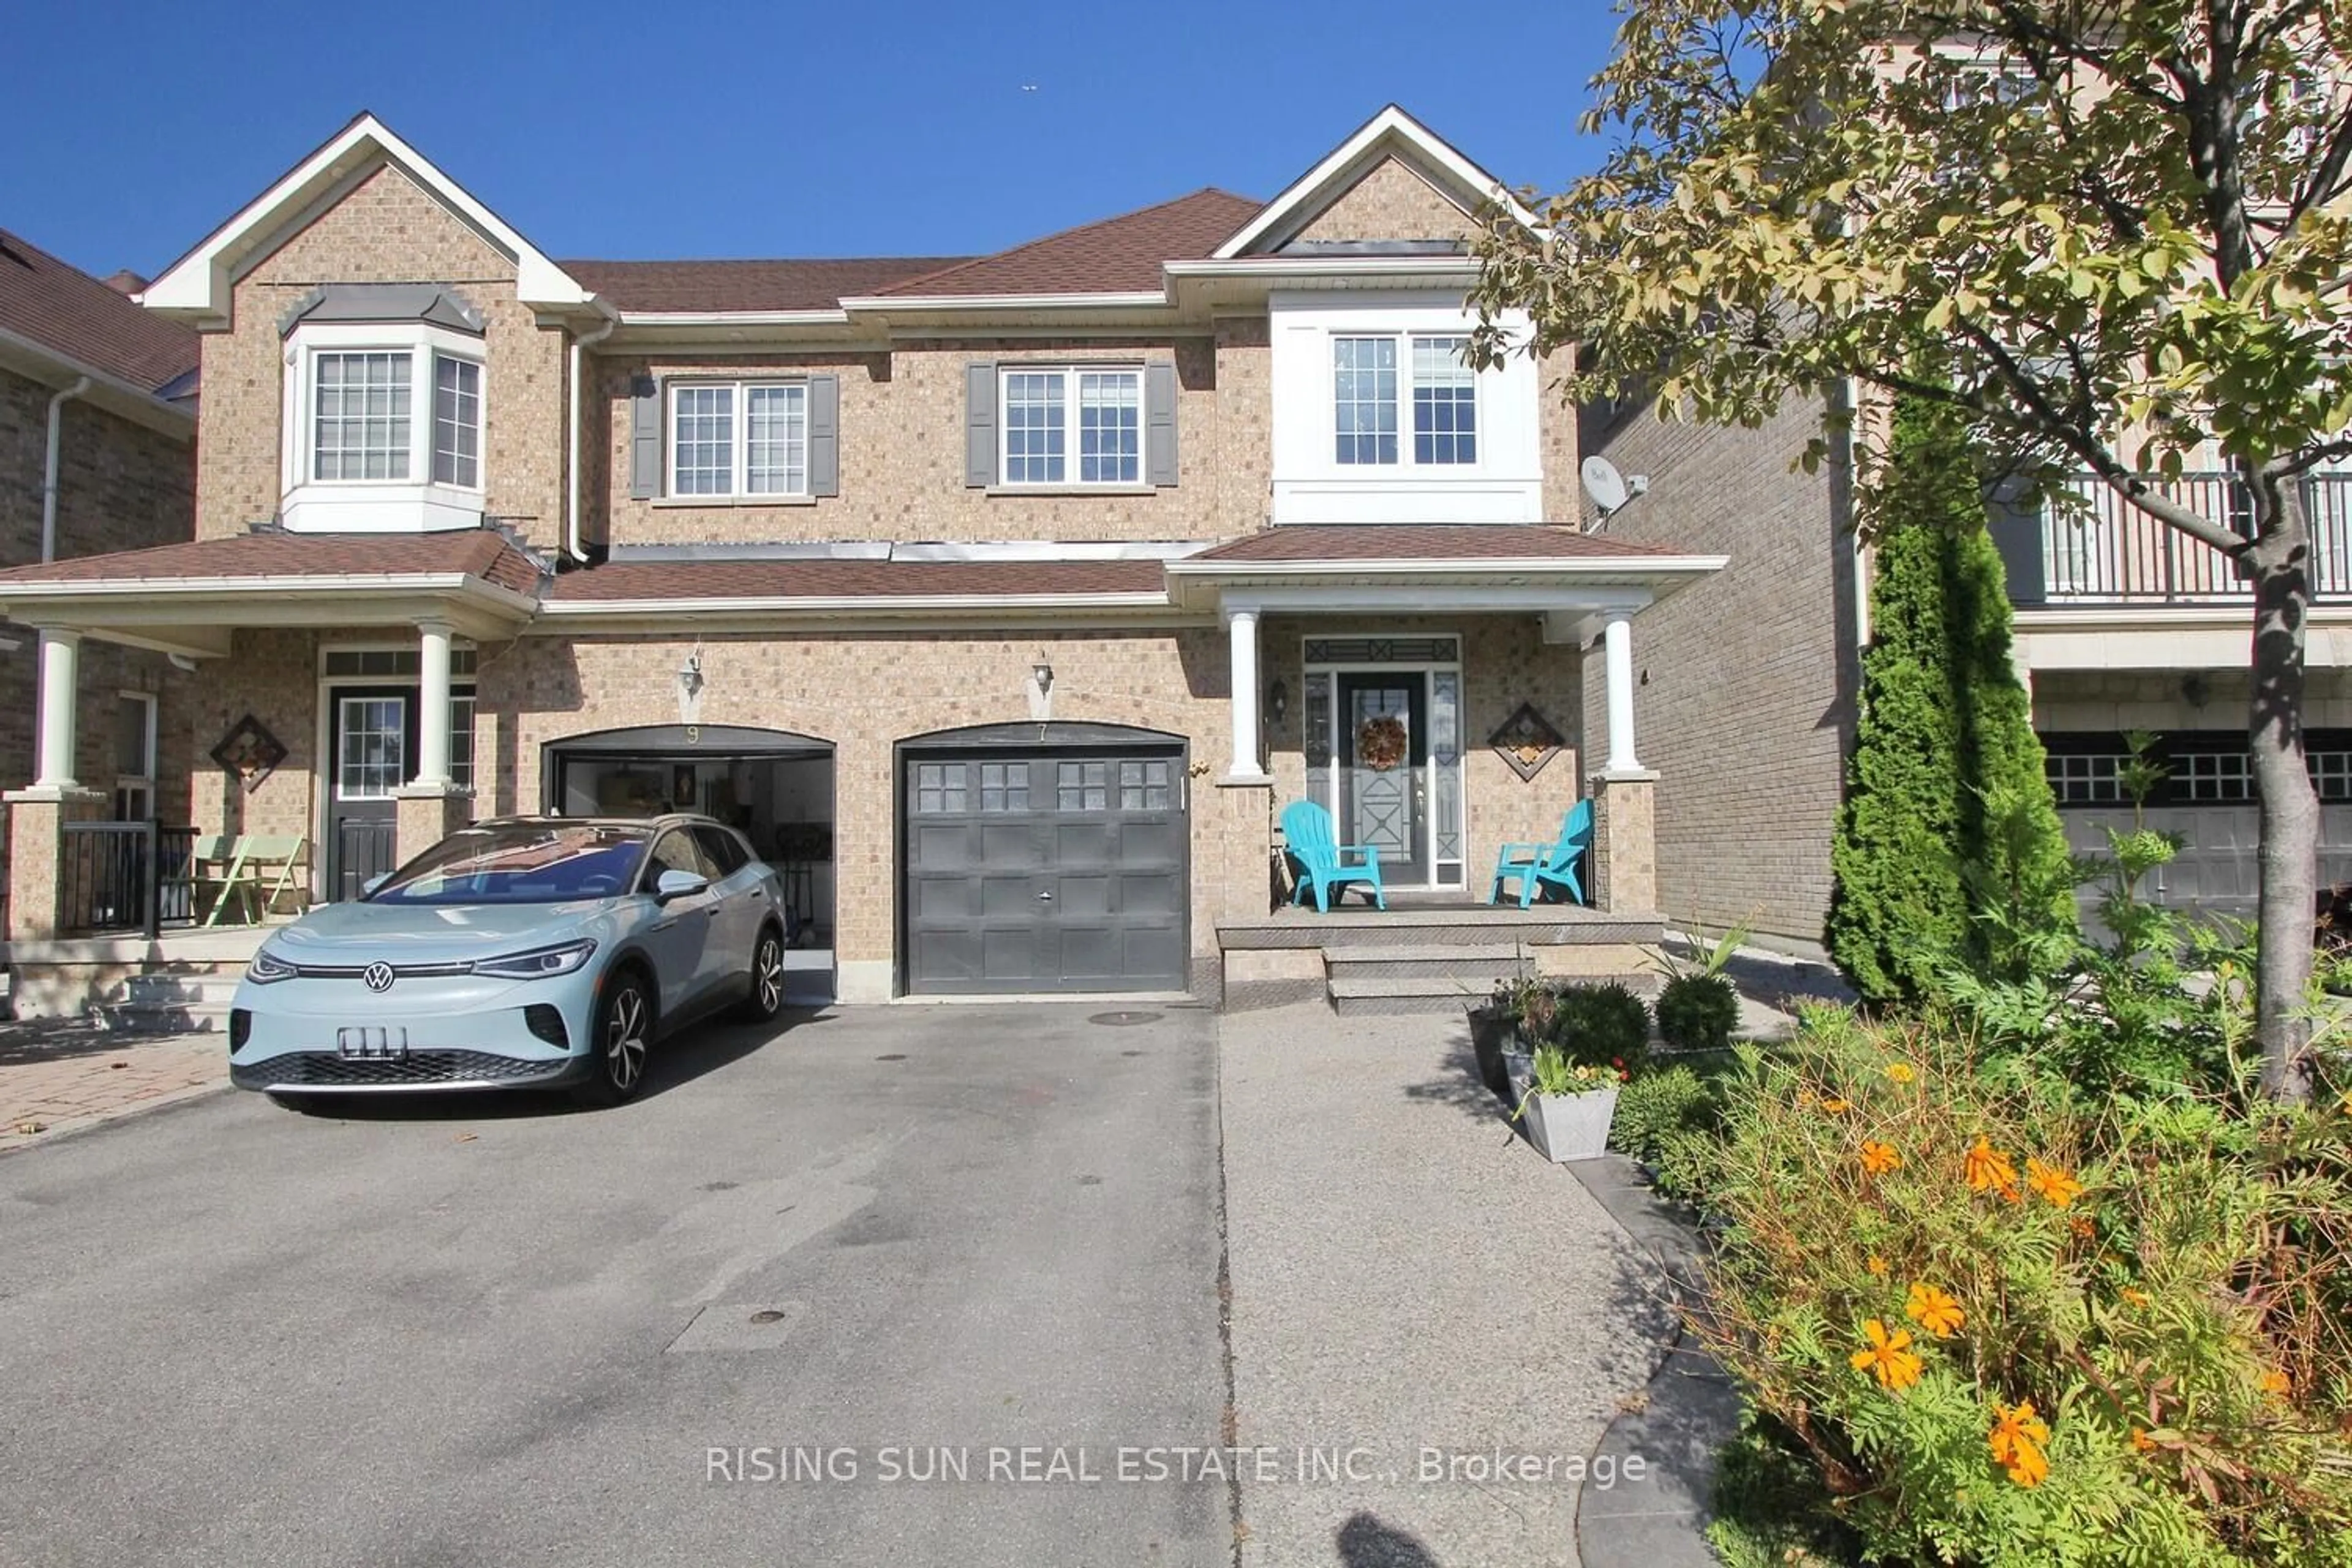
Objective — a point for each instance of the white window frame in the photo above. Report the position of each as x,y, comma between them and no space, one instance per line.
416,503
1407,383
144,783
738,440
1073,435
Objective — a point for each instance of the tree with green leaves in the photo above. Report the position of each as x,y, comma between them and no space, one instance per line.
2111,235
1945,809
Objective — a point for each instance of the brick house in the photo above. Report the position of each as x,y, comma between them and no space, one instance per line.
2120,625
1003,599
98,425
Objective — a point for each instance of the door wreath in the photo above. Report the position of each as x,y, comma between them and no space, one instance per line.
1380,742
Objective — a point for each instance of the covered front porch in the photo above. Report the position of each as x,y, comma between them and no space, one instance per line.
1439,693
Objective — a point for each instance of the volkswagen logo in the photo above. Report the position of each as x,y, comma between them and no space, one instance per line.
377,976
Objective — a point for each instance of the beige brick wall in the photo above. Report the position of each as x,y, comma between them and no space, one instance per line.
386,230
902,450
1505,662
1391,202
1743,702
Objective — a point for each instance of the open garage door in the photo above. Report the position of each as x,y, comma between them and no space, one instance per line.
1044,857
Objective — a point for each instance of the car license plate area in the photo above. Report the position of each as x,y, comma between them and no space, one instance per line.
371,1043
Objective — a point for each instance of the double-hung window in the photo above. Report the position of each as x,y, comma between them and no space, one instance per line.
363,424
1375,375
740,438
1072,425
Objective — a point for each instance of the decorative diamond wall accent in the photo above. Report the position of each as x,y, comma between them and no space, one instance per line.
251,751
1527,742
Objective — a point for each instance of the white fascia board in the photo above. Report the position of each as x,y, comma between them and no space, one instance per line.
171,419
1308,269
1635,568
1391,124
198,284
940,604
165,590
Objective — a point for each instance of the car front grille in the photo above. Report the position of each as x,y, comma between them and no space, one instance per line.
325,1069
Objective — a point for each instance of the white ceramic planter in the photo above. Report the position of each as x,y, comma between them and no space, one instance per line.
1570,1126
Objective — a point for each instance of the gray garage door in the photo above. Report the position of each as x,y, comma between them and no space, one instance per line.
2216,871
1044,870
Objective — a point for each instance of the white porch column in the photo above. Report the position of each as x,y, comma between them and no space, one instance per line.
433,705
1241,625
1617,643
60,686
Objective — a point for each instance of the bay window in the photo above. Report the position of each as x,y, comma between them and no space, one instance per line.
363,427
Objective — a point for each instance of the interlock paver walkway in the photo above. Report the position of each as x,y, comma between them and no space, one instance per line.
57,1076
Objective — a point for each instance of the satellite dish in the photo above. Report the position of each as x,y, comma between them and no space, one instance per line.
1604,484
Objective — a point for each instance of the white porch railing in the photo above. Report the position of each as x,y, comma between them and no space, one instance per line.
2114,554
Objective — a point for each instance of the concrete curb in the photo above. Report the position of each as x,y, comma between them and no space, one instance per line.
1690,1411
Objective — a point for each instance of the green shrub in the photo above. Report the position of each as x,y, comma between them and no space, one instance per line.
1658,1104
1597,1025
2008,1327
1697,1012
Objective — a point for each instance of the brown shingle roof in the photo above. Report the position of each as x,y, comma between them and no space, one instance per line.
1426,541
852,579
65,310
788,285
1114,255
479,552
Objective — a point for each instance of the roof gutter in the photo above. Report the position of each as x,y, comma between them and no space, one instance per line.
49,473
581,343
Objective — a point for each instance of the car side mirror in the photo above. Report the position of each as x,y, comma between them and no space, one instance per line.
368,888
678,885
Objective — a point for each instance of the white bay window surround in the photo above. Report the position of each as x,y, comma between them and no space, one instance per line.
1379,418
382,428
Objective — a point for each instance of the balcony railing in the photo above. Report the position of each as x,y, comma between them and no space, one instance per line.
2109,552
125,877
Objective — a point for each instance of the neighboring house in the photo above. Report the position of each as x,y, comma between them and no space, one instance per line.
1746,705
98,426
1003,599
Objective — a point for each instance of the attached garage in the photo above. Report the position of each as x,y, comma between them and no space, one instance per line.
1042,858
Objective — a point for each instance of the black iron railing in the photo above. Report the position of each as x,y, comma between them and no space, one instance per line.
122,877
2105,550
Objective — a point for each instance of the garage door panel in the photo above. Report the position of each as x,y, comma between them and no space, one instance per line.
1105,836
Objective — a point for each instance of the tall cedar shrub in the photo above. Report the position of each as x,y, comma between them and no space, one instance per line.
1948,812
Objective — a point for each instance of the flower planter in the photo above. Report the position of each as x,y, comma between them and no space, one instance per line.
1494,1034
1570,1126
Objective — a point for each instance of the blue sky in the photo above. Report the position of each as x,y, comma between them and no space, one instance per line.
685,128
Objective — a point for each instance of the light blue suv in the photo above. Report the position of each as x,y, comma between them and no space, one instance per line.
520,953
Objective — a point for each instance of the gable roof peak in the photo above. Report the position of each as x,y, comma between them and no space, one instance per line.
1391,131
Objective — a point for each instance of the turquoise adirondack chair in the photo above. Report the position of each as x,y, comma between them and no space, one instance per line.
1536,864
1322,863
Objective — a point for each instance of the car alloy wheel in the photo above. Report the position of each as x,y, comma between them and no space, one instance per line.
766,997
624,1029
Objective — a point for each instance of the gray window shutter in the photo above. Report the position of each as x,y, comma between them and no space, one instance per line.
825,434
644,438
980,425
1160,423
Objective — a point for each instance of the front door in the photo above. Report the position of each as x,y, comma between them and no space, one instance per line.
366,766
1383,752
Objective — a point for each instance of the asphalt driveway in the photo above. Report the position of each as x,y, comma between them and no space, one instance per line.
871,1246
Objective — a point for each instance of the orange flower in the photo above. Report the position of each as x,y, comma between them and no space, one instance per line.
2133,1297
1889,1358
1935,1311
2278,1383
2057,1185
1876,1265
1879,1157
1988,1168
2081,1227
1901,1072
2018,1439
1836,1106
2141,1441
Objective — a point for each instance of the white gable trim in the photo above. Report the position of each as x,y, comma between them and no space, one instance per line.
1391,129
198,284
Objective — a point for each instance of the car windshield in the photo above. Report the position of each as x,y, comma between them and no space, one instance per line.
520,863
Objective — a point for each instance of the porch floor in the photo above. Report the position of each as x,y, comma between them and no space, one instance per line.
1424,918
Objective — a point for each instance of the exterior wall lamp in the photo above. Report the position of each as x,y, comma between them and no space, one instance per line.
1042,674
689,677
1278,700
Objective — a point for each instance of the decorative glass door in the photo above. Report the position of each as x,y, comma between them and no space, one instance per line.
1383,720
369,765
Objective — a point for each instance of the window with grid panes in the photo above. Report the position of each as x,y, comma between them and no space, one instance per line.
1082,786
1144,786
939,789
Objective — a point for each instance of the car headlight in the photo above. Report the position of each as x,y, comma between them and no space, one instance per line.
539,962
268,968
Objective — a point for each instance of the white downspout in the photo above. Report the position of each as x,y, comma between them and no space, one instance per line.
572,543
49,475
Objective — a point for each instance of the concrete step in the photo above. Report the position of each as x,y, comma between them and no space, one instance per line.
1381,995
123,1019
1482,962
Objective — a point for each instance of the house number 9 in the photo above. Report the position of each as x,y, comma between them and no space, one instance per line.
694,735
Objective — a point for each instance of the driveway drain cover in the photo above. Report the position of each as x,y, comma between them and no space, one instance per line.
1121,1020
892,1056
